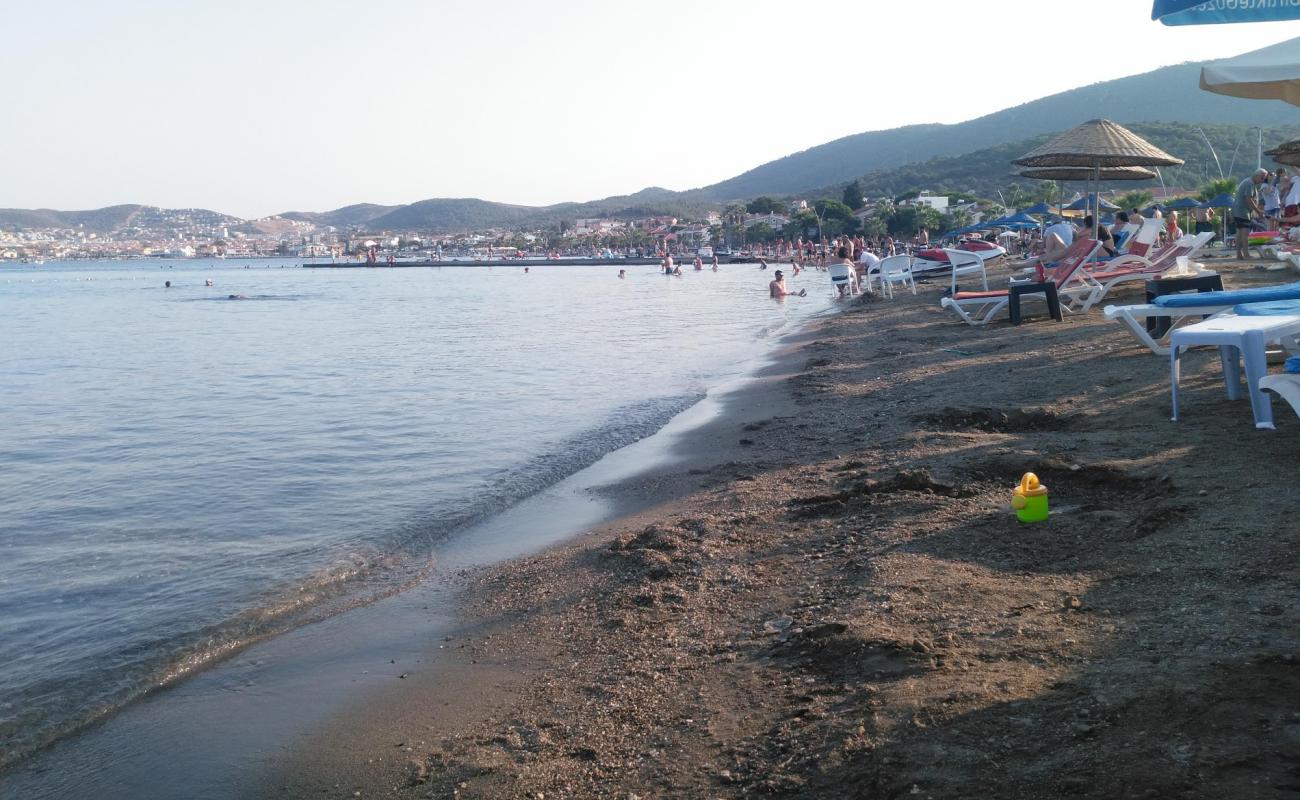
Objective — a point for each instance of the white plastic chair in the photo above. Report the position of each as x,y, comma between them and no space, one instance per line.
896,269
965,262
843,277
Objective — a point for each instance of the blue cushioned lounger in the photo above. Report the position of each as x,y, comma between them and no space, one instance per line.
1272,309
1267,294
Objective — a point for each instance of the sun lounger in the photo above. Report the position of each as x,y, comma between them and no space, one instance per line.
1073,288
1139,268
1286,385
1142,239
1183,307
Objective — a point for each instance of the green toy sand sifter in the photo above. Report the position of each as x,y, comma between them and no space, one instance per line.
1030,499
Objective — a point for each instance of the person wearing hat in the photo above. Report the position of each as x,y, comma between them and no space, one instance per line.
777,289
1245,205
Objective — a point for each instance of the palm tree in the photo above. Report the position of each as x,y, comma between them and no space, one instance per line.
1140,198
1216,188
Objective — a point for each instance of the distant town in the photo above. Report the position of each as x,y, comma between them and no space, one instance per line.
151,232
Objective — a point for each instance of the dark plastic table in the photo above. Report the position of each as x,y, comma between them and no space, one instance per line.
1047,289
1159,326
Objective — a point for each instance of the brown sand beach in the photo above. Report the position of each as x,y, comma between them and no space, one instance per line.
833,598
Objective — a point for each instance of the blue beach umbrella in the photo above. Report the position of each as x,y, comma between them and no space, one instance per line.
1214,12
1218,201
1182,203
1040,208
1022,218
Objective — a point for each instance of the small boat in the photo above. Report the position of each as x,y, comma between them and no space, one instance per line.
936,259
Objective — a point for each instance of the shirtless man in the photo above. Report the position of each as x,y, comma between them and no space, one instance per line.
777,289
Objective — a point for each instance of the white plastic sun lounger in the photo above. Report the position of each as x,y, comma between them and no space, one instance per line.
1073,287
1135,319
1191,307
1287,386
1139,268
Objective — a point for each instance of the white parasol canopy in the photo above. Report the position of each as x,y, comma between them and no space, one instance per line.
1272,73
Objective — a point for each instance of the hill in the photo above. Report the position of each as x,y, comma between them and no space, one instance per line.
346,217
1168,94
100,220
989,170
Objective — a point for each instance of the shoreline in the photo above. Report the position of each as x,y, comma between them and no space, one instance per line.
268,667
841,602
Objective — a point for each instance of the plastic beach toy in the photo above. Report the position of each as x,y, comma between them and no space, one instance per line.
1030,499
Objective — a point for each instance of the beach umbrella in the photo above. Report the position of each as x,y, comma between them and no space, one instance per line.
1096,144
1021,218
1090,202
1200,12
1286,153
1183,203
1037,208
1078,173
1272,73
1223,200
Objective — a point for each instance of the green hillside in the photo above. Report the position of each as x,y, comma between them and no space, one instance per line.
100,220
987,171
1169,94
345,217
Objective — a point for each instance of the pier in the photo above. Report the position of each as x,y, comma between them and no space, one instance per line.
523,262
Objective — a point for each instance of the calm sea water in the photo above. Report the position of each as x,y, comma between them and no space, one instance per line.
181,473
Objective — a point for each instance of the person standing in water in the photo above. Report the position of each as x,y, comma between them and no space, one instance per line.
777,289
622,273
668,263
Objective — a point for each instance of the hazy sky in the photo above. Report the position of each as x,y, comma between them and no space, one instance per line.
253,108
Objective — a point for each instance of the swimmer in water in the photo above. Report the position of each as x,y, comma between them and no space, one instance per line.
208,282
525,270
777,290
762,264
622,273
237,297
167,285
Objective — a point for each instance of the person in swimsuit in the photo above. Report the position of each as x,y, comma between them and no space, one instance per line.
777,289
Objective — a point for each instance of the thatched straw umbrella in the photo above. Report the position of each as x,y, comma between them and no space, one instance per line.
1286,153
1096,144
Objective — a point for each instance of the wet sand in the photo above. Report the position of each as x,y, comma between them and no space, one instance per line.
829,597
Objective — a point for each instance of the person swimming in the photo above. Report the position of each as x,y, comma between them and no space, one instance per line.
167,285
777,289
622,273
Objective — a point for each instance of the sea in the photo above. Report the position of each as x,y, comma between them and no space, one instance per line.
262,446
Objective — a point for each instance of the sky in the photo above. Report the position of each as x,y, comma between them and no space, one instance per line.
255,107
